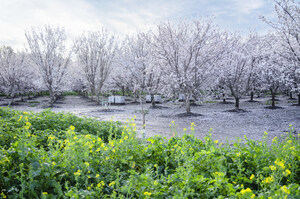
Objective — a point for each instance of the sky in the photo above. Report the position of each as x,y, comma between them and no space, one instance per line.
125,16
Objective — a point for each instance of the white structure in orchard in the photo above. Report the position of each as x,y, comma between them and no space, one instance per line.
116,99
157,99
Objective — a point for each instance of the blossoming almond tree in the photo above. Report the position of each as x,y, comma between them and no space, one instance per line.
272,70
48,52
236,67
139,64
96,52
187,52
287,26
15,76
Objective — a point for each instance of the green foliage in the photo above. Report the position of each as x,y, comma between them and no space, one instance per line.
210,101
71,163
269,102
70,93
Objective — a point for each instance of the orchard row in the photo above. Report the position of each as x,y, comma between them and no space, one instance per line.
186,57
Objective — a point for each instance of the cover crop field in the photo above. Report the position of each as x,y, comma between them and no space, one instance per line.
50,155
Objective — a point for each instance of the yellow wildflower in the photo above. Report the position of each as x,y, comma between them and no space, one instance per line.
272,167
25,113
101,184
51,137
285,189
268,180
252,176
45,193
253,196
216,141
287,172
87,164
126,137
111,143
77,173
20,118
155,182
121,141
292,148
72,127
238,154
280,163
97,175
244,191
112,183
147,194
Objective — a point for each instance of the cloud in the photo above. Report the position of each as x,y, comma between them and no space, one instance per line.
120,16
18,16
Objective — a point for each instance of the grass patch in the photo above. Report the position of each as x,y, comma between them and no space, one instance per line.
269,103
210,101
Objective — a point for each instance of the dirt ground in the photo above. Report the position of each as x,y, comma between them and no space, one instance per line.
214,116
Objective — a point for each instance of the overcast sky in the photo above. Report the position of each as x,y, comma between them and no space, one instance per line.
125,16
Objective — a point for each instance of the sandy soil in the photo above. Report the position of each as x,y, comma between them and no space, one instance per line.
225,125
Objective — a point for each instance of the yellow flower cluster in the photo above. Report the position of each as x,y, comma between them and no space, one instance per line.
72,128
272,167
244,191
27,126
268,180
287,172
77,173
112,183
101,184
280,163
248,190
147,193
285,189
219,173
51,137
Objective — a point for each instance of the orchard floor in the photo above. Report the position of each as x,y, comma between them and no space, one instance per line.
214,115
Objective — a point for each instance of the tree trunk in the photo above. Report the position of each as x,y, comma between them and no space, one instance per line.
52,97
187,104
123,90
291,95
237,103
152,100
252,96
224,99
143,111
22,98
273,99
134,96
12,101
298,99
98,98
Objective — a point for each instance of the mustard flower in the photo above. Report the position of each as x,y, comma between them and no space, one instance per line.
285,189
